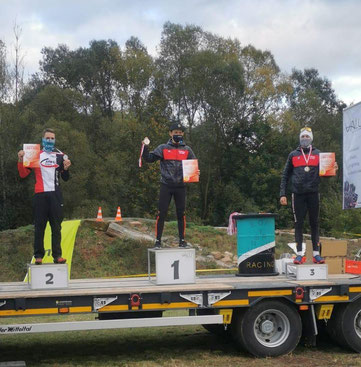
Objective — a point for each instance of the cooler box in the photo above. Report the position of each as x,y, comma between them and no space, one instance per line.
256,244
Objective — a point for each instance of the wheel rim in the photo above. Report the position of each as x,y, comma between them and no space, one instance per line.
272,328
357,324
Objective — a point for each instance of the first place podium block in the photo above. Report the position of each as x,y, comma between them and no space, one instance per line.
48,276
172,265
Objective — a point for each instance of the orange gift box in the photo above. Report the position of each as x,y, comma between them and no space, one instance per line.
32,155
327,164
190,170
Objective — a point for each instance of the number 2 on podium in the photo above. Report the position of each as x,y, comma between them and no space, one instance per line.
175,265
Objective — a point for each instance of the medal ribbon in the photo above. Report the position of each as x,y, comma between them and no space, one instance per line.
141,153
309,155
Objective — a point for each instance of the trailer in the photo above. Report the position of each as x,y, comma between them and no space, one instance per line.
265,315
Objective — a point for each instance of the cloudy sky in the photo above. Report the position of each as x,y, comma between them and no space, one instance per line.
324,34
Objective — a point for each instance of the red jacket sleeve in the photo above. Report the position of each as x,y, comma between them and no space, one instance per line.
23,171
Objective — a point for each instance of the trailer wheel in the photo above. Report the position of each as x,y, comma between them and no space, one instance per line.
269,328
345,326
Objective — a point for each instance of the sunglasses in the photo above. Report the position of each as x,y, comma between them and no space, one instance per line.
306,128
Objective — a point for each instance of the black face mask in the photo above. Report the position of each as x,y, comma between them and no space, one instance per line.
177,138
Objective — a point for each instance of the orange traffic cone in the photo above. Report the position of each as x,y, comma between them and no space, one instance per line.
99,216
118,217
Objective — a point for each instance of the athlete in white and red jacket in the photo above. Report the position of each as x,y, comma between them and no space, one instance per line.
48,201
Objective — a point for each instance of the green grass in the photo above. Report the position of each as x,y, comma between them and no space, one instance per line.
186,346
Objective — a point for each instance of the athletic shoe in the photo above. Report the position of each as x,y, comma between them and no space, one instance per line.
59,260
299,259
318,259
183,244
38,261
157,244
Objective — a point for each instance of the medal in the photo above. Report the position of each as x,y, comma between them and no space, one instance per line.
307,169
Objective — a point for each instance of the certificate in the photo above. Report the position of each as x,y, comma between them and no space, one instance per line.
32,155
327,164
190,170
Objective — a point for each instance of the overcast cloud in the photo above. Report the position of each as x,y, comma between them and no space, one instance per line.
324,34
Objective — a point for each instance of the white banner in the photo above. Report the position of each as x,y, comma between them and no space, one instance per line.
352,157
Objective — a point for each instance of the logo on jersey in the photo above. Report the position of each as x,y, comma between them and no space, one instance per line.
49,163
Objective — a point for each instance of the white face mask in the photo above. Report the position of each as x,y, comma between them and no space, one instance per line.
305,142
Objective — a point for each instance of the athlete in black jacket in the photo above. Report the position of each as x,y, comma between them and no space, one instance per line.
302,169
170,155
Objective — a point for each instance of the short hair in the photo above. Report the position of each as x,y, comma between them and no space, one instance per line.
48,130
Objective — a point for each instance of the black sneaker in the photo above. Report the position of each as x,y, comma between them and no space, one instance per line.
157,244
183,244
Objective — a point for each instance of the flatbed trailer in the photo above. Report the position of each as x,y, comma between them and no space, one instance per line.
265,315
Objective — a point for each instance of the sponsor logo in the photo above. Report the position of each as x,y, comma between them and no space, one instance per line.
49,163
15,329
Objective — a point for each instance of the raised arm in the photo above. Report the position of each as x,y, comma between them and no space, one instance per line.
23,171
153,156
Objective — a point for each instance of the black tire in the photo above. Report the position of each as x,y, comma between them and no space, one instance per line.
345,326
268,329
334,325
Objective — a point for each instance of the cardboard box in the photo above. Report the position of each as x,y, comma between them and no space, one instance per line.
333,248
336,264
309,251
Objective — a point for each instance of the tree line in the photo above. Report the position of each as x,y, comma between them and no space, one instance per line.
243,116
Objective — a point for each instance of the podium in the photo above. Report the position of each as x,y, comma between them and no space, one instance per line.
48,276
172,265
307,271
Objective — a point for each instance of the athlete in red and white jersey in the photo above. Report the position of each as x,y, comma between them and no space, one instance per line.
47,175
48,201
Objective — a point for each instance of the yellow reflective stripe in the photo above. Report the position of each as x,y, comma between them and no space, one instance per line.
114,308
36,311
151,306
80,309
43,311
332,298
231,302
286,292
355,289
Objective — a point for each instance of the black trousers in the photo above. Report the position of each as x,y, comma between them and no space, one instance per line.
165,195
301,204
48,206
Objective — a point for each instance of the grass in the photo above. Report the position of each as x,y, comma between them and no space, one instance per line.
185,346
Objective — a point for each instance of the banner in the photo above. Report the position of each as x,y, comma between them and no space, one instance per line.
352,157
